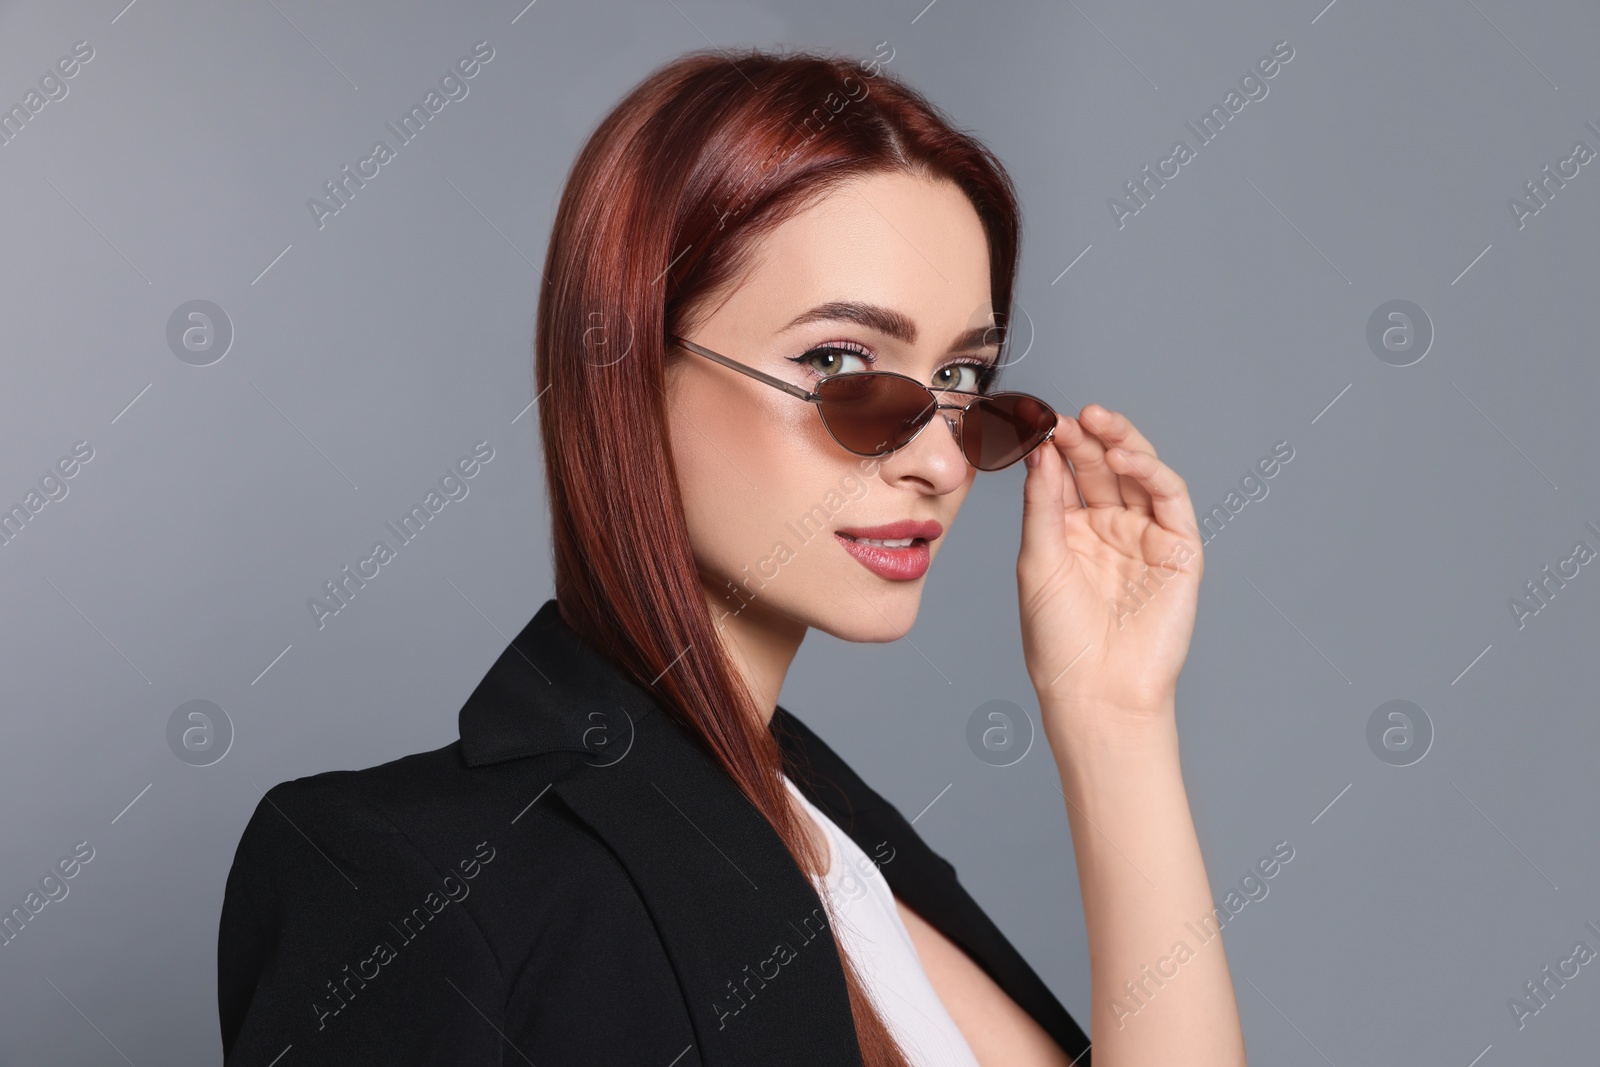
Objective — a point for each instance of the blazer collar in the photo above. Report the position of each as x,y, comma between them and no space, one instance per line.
742,926
543,695
739,921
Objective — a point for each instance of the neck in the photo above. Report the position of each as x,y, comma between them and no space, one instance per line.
762,644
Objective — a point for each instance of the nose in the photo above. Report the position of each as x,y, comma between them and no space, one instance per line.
933,458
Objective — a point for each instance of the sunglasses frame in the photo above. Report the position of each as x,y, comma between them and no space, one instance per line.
815,398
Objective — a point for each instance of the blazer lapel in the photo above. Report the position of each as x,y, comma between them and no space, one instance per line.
743,928
740,923
920,877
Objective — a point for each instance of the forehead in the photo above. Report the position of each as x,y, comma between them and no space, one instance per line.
896,240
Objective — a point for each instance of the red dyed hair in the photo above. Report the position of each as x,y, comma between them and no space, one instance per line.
663,207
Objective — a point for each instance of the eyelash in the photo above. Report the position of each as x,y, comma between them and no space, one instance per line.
986,371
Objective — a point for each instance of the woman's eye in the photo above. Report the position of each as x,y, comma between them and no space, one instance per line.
959,377
829,360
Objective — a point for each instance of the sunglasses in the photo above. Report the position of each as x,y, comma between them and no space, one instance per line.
873,413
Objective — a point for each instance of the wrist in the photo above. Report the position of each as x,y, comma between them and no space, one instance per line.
1109,764
1110,733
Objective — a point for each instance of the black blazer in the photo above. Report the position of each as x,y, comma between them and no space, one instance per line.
572,882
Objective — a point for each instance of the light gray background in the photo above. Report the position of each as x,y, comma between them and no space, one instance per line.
1228,315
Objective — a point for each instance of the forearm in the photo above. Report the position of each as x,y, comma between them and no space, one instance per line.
1161,990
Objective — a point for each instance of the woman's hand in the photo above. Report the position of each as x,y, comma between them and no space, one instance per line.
1108,586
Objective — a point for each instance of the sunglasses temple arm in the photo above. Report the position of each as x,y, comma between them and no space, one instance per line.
761,376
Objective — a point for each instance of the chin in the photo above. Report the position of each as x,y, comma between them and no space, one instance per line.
888,617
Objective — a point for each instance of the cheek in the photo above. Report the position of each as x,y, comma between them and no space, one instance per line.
745,464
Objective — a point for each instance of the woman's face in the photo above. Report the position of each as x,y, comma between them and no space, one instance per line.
895,269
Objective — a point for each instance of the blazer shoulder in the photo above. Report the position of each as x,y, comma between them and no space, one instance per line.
427,814
325,890
337,874
339,811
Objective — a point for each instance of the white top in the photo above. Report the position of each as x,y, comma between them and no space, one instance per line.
869,930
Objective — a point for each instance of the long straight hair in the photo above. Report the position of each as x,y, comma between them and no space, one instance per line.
661,212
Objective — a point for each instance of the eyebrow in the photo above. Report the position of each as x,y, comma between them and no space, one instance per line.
889,321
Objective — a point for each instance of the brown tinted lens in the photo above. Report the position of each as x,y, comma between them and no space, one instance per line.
1000,429
873,412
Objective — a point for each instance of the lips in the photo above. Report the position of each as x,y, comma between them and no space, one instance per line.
926,529
894,562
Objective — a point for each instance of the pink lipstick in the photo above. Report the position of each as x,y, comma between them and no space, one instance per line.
896,551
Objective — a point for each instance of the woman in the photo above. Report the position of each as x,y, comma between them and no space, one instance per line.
633,854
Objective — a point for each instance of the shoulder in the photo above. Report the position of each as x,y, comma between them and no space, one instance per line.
343,827
419,867
426,816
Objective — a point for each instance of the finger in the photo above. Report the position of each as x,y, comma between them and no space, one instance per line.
1047,493
1100,485
1071,498
1116,430
1169,494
